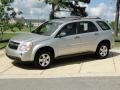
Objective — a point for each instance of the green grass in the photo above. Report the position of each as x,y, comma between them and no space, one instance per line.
117,44
25,29
117,38
8,35
12,34
3,45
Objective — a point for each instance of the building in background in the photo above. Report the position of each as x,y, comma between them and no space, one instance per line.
28,22
33,22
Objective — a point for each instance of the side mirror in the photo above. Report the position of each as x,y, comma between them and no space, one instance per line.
62,34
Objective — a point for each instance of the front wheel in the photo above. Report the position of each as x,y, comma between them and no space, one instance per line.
102,51
43,59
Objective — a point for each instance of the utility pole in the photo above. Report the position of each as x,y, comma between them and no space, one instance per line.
117,17
30,25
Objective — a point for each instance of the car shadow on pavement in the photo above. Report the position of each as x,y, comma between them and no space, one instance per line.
80,59
64,61
24,65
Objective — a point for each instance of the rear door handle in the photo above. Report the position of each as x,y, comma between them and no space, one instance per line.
96,34
77,37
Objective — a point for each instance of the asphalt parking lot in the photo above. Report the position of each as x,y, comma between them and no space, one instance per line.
82,65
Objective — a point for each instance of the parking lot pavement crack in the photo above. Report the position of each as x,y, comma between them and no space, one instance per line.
1,55
114,63
81,67
6,69
42,72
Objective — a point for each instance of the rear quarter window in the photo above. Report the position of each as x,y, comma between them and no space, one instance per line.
103,25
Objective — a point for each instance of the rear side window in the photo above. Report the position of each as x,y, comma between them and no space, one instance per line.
103,25
86,26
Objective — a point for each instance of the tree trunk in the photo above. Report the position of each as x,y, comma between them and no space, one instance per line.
1,36
117,17
52,13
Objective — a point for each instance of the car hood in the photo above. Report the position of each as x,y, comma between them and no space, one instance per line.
29,37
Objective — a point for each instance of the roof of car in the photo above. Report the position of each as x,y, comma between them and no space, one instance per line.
69,19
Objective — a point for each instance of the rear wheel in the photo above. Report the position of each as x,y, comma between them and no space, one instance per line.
43,59
102,50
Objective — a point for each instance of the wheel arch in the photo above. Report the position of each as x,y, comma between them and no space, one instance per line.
47,48
106,42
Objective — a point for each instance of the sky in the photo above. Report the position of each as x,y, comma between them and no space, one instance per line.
37,9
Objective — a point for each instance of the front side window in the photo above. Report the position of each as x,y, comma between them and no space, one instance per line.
69,29
103,25
86,26
47,28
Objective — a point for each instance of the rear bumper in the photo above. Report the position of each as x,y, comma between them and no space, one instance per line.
17,55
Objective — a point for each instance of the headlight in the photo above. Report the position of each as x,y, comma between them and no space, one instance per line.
25,47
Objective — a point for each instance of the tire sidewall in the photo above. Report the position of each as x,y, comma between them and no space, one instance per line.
36,61
98,51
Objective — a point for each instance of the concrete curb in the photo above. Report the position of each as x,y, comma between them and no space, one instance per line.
59,76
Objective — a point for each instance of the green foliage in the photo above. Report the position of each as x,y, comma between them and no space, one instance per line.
6,14
4,7
6,2
62,1
52,1
11,27
112,24
75,9
19,25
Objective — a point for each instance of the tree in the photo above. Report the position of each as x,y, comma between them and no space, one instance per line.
74,8
6,14
112,24
117,17
11,27
54,3
19,25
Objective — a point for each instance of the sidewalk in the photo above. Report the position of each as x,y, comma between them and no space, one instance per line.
84,65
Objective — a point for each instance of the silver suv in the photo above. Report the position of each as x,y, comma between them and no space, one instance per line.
61,37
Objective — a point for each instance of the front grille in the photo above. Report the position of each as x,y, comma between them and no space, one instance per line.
13,45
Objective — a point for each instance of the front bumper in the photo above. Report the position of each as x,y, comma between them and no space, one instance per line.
18,55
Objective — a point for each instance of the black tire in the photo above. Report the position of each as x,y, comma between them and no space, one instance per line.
105,52
37,62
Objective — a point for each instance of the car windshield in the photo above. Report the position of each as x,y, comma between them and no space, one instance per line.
47,28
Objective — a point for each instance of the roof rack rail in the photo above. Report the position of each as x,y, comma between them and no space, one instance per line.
79,17
92,17
70,17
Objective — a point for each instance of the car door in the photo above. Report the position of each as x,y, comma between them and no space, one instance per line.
67,44
87,36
